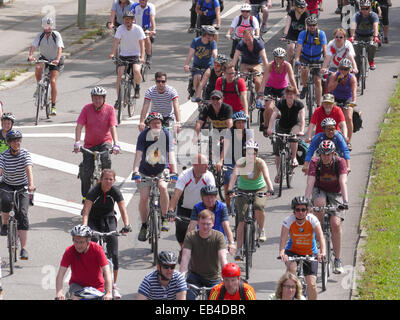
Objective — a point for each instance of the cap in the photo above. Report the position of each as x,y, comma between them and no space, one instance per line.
216,93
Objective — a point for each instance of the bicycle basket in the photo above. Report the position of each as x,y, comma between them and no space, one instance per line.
357,120
301,152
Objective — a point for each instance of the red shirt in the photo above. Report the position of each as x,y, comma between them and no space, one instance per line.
319,115
328,180
230,96
86,267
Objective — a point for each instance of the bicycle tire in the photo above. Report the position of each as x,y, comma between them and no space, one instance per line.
155,235
289,171
251,103
46,102
220,185
324,274
247,248
12,243
282,161
38,103
366,66
120,101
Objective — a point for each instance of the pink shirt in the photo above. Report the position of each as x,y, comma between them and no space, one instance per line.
277,80
97,124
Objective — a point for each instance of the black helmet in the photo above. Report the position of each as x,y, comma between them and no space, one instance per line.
208,190
300,3
300,200
129,14
208,30
13,135
167,258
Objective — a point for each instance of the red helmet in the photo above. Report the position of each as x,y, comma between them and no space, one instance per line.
230,270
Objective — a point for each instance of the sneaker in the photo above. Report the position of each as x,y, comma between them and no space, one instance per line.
115,291
190,30
24,254
303,93
53,111
262,237
137,92
4,230
338,10
142,233
239,254
337,266
263,28
164,225
372,65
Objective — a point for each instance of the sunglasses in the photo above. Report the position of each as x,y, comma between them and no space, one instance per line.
339,37
168,267
245,11
161,81
344,69
215,98
300,209
288,287
365,8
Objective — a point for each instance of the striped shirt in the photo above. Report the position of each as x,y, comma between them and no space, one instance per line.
162,102
13,167
153,290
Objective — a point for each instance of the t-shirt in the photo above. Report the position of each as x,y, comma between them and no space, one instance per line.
103,203
252,179
302,237
319,115
251,57
230,96
338,54
48,47
219,121
187,183
249,23
13,167
129,40
296,26
312,45
328,181
208,7
97,124
142,15
338,140
86,268
203,57
220,211
209,268
162,102
119,11
153,290
248,292
365,26
289,116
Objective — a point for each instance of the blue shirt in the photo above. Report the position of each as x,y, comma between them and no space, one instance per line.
365,26
338,140
253,57
153,290
208,7
203,57
312,45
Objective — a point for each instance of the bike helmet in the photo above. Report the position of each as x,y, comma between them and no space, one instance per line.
251,144
8,116
221,59
98,91
365,3
300,200
279,53
230,270
245,7
345,63
81,231
300,3
209,191
167,258
152,116
208,30
47,22
239,116
311,21
13,135
326,147
129,14
89,293
328,122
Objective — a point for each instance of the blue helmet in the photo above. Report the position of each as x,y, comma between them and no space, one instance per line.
239,116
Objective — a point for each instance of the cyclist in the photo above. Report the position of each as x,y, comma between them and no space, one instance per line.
232,287
89,265
16,171
275,81
164,100
314,6
209,13
233,88
343,3
292,120
203,254
50,44
343,86
364,27
253,56
188,187
203,50
193,17
327,183
311,49
288,288
241,23
130,37
302,229
208,82
154,157
295,23
384,5
264,6
7,122
118,9
219,209
145,16
329,133
98,119
164,283
327,110
98,213
253,176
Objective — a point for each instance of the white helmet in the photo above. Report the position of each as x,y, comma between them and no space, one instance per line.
98,91
81,231
245,7
279,53
251,144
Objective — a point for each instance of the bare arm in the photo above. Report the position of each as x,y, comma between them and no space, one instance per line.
186,253
29,173
108,282
59,283
143,113
87,206
310,186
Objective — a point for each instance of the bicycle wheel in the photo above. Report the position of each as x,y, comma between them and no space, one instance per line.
251,102
38,102
131,101
366,67
121,102
46,100
12,243
247,247
324,274
281,174
155,234
220,185
289,171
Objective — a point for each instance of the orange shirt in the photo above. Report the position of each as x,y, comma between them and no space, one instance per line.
248,290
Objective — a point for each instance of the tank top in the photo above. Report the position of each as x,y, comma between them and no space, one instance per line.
343,90
251,180
277,80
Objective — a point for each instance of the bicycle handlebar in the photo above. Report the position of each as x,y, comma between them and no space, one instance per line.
199,288
83,149
107,234
298,258
331,208
44,61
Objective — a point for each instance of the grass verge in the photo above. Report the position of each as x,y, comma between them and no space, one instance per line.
10,76
381,219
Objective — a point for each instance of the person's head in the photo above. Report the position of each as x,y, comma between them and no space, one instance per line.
161,81
245,9
231,277
340,36
107,179
14,140
290,94
279,55
328,125
345,67
206,220
365,7
289,287
129,17
200,164
326,151
166,262
312,24
216,98
328,100
300,206
154,120
81,236
300,5
208,32
48,24
248,36
251,148
219,62
7,121
229,71
143,3
209,196
98,95
239,120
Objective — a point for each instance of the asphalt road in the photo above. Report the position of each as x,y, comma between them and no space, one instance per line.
57,201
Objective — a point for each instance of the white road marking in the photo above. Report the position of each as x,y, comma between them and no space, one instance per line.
230,11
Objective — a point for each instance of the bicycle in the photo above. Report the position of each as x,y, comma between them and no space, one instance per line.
95,178
250,240
147,65
125,97
285,169
251,90
260,120
190,88
204,292
364,65
311,100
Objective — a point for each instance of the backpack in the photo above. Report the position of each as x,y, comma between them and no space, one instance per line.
241,291
53,35
241,19
357,120
235,84
221,4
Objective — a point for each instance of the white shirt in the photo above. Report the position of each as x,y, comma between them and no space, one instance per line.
338,54
129,40
245,24
162,102
139,13
48,47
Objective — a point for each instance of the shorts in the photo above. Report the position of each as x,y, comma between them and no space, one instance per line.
314,71
204,20
181,226
385,15
228,174
252,67
331,198
278,144
254,7
242,203
59,67
131,59
198,70
21,215
270,91
310,268
148,183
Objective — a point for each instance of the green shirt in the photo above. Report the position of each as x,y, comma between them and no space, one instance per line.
253,180
3,144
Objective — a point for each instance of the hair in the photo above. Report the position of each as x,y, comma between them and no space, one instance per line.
279,286
160,74
204,214
228,65
290,89
340,30
107,171
249,30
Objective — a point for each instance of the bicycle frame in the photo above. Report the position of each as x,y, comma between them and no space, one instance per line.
95,178
310,96
43,92
251,90
204,292
364,65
